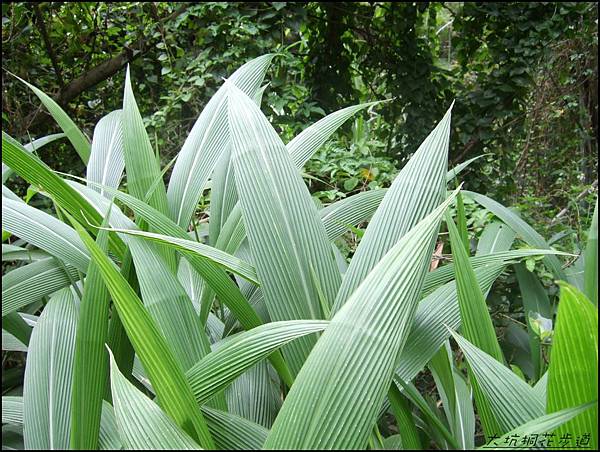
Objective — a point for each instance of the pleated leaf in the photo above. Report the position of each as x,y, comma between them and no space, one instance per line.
238,353
573,371
29,283
48,375
539,426
12,413
292,255
207,140
141,164
107,161
90,364
511,399
142,424
337,394
166,375
30,147
45,232
415,192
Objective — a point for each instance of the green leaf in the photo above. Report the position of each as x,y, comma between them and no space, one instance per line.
79,141
90,364
573,371
340,388
285,235
461,166
476,323
48,375
29,283
166,375
45,232
496,236
404,417
522,229
140,162
12,413
207,140
538,426
415,192
142,424
107,161
30,147
513,401
591,260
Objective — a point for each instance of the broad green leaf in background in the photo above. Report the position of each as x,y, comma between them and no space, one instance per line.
285,234
523,230
48,375
573,370
415,192
591,260
535,300
142,424
339,390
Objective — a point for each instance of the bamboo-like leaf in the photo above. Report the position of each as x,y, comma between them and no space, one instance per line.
207,140
238,353
45,232
227,261
107,161
416,190
29,283
30,147
48,375
512,400
461,166
166,375
140,162
13,253
90,364
337,394
573,371
476,323
282,223
142,424
518,225
404,417
79,141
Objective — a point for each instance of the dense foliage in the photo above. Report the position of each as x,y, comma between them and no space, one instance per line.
226,265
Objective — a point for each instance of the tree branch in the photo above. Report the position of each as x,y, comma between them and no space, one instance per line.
42,27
